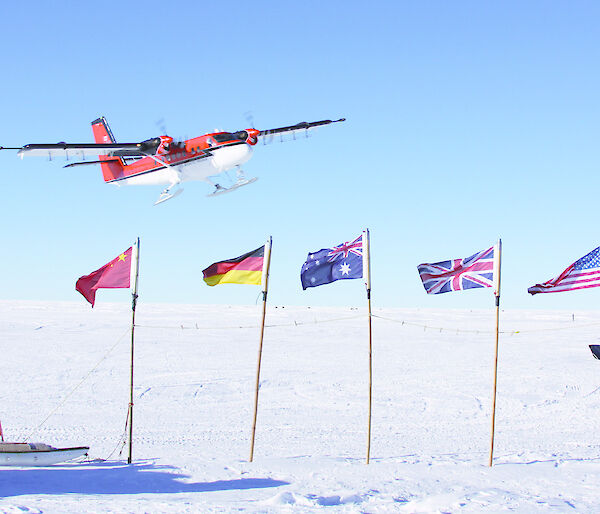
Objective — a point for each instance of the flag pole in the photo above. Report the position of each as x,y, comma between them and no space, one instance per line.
265,288
497,262
367,275
135,269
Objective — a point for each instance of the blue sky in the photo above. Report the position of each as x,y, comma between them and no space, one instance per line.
465,122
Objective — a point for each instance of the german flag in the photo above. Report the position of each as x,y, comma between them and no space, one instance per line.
245,269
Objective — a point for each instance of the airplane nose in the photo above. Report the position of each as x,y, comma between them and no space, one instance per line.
231,156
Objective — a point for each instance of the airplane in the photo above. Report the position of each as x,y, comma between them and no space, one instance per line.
162,160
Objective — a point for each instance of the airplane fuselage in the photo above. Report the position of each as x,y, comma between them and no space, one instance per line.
185,164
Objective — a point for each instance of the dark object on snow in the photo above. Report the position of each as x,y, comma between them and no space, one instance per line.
595,350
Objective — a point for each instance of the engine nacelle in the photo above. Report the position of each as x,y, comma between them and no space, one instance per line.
165,144
252,136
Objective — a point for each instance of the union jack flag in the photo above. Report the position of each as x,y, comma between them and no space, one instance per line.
355,247
582,274
458,274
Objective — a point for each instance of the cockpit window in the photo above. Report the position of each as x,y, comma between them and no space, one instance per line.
225,137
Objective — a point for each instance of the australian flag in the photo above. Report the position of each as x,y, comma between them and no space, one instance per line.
458,274
331,264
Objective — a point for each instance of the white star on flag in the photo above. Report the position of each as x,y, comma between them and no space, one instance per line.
344,269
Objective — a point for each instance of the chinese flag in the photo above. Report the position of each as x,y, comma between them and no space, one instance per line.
115,274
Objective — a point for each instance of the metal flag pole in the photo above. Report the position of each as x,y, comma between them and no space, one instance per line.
135,270
367,276
265,288
497,262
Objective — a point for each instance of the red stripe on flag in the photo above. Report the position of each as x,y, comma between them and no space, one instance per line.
220,268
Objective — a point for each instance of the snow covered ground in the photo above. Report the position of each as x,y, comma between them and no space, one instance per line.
65,379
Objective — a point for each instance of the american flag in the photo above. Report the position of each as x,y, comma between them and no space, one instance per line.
458,274
581,274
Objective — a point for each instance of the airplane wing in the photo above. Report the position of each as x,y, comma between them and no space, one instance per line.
299,127
82,150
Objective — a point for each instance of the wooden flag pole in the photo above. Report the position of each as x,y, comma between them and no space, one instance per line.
367,276
497,262
135,269
265,286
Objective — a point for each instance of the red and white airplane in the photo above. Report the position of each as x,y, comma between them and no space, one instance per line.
163,161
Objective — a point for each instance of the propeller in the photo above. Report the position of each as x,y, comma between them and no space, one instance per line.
162,126
249,115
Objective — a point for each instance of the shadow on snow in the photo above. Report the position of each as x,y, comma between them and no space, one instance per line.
115,478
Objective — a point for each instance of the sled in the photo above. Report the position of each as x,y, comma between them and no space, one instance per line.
37,454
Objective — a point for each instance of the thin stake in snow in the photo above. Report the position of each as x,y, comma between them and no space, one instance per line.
367,275
135,270
497,262
265,288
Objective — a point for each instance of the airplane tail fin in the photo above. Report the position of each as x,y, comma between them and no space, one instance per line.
113,168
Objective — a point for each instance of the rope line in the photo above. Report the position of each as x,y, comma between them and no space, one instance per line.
267,325
462,330
384,318
122,441
72,391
